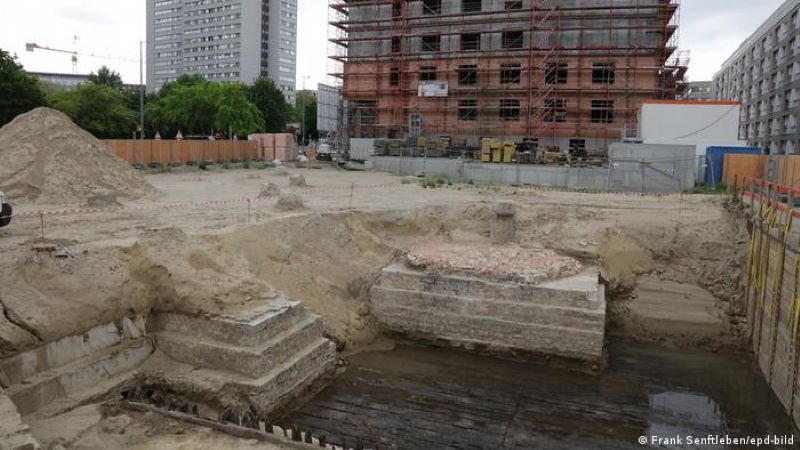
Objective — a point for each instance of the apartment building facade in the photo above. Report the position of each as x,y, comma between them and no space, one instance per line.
764,75
563,73
222,40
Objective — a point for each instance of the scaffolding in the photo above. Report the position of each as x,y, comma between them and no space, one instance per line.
557,73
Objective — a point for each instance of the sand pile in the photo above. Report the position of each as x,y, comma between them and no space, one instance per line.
46,158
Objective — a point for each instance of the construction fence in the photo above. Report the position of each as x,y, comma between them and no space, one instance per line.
779,169
166,152
625,175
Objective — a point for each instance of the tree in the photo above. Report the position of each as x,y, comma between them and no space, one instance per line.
305,113
272,104
106,77
197,106
19,92
98,109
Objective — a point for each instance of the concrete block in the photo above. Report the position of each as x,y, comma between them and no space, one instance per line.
253,361
251,327
564,317
58,353
503,226
69,380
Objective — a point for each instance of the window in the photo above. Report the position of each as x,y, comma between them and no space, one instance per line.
512,39
470,5
602,111
470,42
467,110
431,6
555,110
430,43
513,4
394,76
510,73
468,74
427,73
509,110
603,73
364,112
396,44
556,73
397,8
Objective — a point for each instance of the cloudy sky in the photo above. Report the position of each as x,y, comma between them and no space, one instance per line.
710,29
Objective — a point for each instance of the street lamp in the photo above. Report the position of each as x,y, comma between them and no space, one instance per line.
303,110
141,89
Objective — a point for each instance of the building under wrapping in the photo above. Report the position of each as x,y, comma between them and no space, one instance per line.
566,73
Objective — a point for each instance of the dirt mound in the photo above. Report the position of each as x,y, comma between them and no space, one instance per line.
46,158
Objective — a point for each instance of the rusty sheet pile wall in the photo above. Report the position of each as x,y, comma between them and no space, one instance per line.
146,152
773,287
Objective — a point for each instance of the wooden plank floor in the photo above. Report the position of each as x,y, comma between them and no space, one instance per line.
416,398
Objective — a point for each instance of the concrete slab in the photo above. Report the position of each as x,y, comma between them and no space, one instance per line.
48,386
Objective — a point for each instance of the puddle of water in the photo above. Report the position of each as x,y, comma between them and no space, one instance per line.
423,398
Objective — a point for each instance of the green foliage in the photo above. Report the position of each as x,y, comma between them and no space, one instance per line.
306,105
98,109
19,92
271,103
106,77
197,106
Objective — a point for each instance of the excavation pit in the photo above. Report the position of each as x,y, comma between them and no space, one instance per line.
502,300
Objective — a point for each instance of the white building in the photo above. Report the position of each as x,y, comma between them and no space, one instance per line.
697,123
764,74
223,40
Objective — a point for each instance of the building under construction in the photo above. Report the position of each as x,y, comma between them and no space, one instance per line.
565,73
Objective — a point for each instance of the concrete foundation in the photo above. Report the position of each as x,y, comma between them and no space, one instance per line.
563,317
258,358
61,374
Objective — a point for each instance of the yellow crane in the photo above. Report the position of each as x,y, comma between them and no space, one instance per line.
31,46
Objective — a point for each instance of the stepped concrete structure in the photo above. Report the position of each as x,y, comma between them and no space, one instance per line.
512,311
258,358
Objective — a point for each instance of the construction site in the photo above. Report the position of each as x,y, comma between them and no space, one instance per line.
561,75
532,245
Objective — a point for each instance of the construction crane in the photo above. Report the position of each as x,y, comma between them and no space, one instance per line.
31,46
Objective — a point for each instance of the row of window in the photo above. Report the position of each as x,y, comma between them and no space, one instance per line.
556,73
435,6
364,112
511,40
555,110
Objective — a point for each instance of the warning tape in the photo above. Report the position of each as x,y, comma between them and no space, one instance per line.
297,190
188,204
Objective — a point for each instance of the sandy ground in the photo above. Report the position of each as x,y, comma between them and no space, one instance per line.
663,256
166,254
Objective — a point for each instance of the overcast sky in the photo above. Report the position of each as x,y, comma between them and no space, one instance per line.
711,29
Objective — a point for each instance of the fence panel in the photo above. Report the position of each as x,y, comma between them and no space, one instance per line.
782,169
146,152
